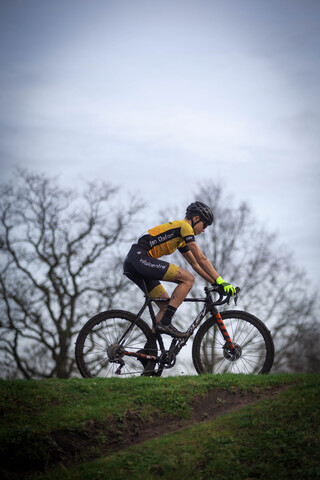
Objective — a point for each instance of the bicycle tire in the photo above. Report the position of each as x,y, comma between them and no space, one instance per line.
253,342
102,331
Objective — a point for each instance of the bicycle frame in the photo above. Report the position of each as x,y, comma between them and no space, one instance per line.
249,350
178,343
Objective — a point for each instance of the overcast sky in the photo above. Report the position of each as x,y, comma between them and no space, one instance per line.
159,95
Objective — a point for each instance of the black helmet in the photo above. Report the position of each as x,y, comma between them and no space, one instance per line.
202,210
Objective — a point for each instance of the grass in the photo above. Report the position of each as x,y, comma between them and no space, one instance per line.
278,437
47,404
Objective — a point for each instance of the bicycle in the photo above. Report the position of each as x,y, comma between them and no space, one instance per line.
120,343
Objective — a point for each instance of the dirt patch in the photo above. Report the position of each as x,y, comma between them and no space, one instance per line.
71,446
117,434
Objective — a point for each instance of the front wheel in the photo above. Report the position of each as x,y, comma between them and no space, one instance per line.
254,349
98,350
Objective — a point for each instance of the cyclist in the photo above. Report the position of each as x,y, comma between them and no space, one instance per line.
143,263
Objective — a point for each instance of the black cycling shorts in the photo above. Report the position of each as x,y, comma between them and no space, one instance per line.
139,266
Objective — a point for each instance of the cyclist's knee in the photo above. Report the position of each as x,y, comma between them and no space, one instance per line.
191,279
187,278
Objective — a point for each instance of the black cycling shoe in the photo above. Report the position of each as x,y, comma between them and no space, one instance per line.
170,330
147,371
146,350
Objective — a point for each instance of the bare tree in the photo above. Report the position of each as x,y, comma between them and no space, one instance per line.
301,354
273,288
59,263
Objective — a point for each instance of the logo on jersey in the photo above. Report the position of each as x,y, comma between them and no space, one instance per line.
161,239
152,265
190,238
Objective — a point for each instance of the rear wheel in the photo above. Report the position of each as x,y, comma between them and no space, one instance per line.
98,351
254,349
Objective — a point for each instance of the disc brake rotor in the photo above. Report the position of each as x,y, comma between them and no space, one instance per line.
232,355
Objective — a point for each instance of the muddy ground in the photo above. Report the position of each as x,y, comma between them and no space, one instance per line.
96,439
131,430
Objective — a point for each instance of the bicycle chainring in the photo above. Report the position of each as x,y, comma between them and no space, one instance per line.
168,359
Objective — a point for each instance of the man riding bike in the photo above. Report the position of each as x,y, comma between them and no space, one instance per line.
143,263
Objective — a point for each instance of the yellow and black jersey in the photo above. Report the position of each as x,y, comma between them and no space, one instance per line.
166,238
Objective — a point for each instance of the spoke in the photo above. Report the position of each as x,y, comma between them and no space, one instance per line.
237,366
249,343
105,334
98,346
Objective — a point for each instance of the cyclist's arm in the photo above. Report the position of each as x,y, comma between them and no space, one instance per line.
200,263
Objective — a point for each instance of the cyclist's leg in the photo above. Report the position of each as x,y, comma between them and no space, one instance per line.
152,270
185,281
147,272
162,306
175,274
158,291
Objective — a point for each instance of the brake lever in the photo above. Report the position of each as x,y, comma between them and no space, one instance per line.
236,295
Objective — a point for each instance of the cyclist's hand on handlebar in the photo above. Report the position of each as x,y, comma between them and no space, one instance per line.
228,288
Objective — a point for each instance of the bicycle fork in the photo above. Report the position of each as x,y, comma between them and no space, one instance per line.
229,344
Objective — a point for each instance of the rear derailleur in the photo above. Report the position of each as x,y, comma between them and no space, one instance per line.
115,354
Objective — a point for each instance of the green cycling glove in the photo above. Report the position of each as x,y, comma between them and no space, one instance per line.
228,288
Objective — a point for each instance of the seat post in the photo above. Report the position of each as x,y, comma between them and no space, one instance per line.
145,288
